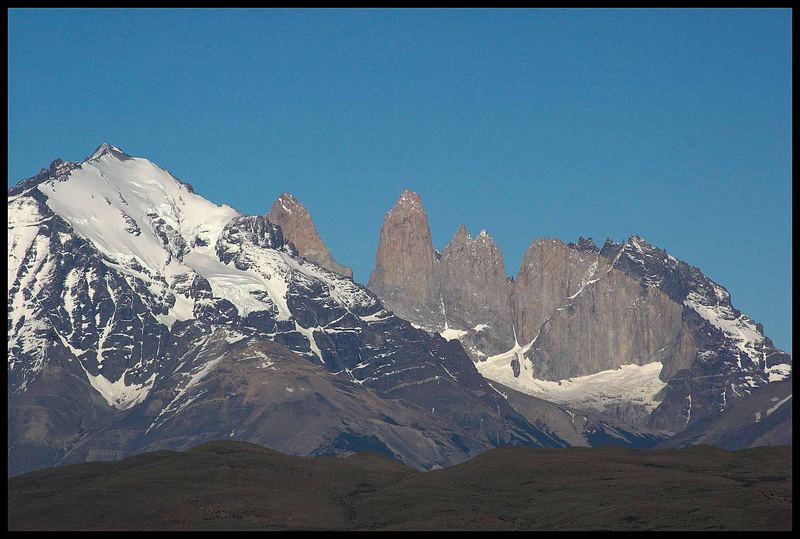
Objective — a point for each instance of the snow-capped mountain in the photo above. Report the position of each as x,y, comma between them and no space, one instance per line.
143,316
127,291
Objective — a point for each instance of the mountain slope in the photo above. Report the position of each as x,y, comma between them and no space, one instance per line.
762,418
127,283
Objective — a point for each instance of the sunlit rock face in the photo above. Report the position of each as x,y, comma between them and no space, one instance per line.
405,273
576,310
299,229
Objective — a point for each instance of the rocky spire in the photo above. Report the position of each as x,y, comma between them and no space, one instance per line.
476,291
404,275
298,228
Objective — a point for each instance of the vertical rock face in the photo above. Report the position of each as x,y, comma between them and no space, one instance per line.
551,272
298,228
474,284
611,322
462,293
404,274
143,315
629,313
476,292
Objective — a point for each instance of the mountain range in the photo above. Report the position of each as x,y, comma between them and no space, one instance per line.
144,317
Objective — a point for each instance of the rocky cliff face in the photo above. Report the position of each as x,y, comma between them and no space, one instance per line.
551,272
577,314
590,317
475,292
405,274
299,229
462,292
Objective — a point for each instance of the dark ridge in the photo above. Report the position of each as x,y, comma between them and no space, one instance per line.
230,485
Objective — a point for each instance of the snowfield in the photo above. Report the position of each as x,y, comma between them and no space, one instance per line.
637,384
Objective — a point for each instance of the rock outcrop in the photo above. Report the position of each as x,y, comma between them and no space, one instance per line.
462,292
299,229
405,265
575,311
475,292
551,272
141,315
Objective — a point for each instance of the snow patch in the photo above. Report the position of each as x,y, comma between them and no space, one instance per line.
452,334
778,405
740,329
776,373
119,394
637,384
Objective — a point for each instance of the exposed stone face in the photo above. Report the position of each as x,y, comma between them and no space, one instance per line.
299,229
464,289
611,322
97,368
575,310
638,305
550,273
404,274
476,292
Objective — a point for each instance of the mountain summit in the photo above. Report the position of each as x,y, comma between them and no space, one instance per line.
298,228
404,264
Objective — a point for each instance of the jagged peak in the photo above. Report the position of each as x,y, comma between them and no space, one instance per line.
409,201
298,227
462,234
584,244
409,195
108,149
547,242
287,202
637,242
286,196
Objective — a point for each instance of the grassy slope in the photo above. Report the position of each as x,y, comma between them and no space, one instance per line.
236,485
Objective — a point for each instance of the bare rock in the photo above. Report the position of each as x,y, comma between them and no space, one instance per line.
405,276
298,228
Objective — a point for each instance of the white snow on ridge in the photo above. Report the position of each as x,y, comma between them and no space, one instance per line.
741,329
26,246
240,287
99,195
118,204
379,316
779,404
105,195
779,372
24,219
588,279
117,393
344,291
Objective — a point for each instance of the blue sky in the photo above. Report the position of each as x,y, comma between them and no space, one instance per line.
674,125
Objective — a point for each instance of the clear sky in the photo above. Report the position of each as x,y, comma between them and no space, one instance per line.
674,125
